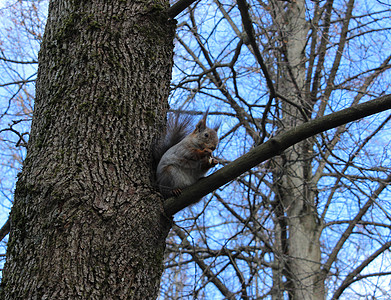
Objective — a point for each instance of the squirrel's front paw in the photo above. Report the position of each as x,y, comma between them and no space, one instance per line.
176,192
213,161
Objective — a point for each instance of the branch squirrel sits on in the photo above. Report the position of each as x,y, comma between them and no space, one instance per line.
189,155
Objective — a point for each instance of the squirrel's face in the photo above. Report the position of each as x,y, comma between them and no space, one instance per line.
205,137
208,138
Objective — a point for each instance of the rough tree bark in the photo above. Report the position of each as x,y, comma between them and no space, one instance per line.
87,222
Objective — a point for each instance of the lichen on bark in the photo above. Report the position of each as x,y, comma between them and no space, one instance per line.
87,222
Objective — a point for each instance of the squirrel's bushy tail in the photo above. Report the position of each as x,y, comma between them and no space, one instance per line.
178,127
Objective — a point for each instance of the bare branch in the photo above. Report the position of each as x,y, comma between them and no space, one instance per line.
5,230
178,7
353,223
205,269
248,27
352,276
322,50
273,147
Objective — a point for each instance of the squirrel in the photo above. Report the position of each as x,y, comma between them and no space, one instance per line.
184,157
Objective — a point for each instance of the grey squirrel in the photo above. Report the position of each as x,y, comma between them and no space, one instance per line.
184,157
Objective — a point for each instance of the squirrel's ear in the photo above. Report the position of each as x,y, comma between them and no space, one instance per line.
202,123
205,116
216,127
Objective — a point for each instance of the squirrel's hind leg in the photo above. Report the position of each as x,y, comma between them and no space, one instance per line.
170,181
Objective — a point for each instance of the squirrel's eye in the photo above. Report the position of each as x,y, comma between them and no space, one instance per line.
206,134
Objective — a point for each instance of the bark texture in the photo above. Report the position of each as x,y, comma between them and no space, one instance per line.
87,222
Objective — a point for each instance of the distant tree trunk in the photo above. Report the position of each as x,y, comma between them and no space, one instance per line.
299,226
87,222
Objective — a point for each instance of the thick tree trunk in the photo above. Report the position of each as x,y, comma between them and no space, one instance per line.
87,222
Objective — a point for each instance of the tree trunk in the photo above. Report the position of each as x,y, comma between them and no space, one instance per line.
298,216
87,222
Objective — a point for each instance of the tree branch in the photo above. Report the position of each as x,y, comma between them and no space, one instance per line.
249,29
204,267
178,7
5,230
273,147
352,224
353,275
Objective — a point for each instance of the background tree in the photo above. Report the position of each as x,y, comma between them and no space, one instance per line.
309,222
314,221
21,32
